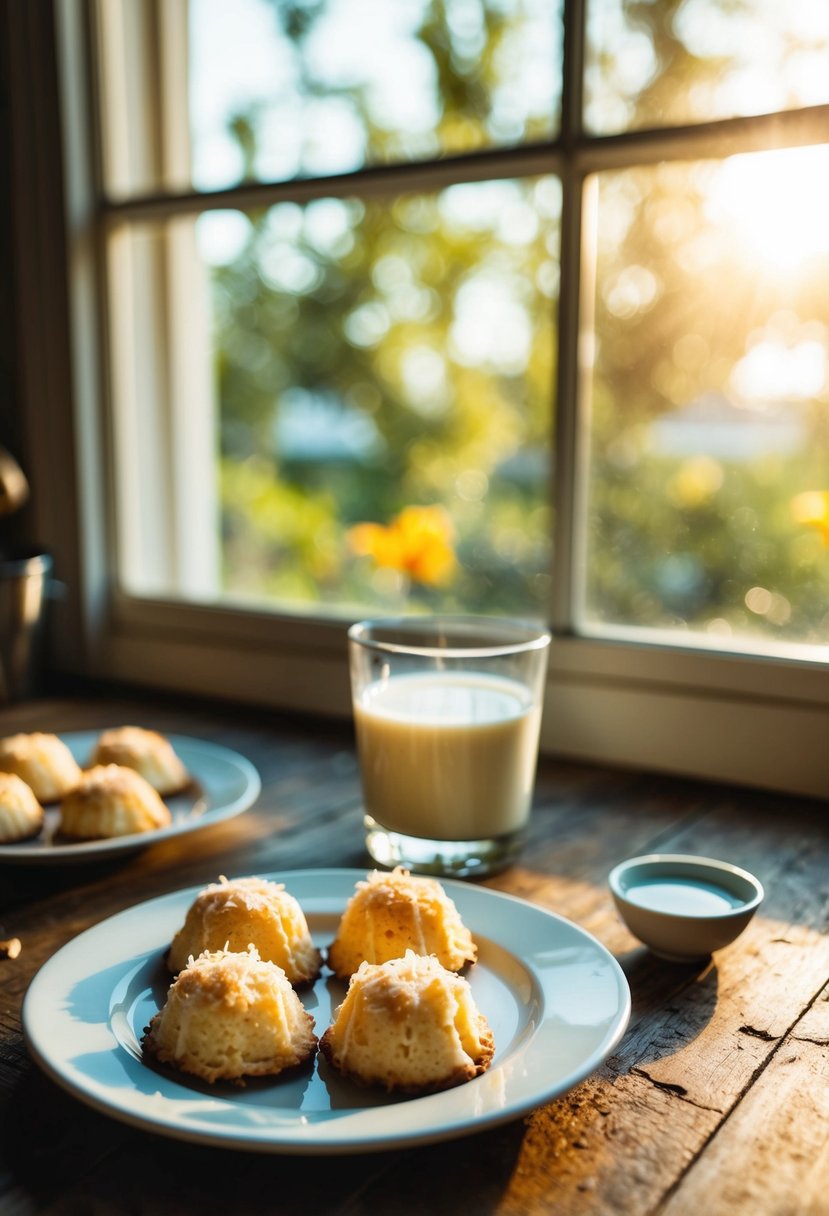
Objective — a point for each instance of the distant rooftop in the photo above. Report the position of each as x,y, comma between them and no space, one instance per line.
713,425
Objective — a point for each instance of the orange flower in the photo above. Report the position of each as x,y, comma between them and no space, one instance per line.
417,542
812,507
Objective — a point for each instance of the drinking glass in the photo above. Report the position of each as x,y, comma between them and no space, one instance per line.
447,714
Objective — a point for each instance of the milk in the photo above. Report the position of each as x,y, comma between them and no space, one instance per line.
448,755
682,896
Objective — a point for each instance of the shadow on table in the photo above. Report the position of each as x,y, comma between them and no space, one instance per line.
683,995
65,1157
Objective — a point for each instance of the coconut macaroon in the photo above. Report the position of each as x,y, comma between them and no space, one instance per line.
235,914
43,761
21,815
148,752
111,800
229,1016
408,1025
389,914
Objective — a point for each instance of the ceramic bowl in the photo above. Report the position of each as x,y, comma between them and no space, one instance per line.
684,907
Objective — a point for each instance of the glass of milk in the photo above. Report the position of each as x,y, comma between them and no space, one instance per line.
447,713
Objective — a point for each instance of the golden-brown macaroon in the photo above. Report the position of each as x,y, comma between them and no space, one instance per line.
408,1025
111,800
43,761
21,815
229,1016
151,754
241,912
389,914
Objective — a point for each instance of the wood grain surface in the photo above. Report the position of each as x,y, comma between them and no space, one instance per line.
716,1101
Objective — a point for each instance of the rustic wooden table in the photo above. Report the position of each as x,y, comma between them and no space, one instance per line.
716,1100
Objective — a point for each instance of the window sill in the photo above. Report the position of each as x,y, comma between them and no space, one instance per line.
739,719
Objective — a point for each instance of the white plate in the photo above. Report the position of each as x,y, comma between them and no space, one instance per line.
224,785
557,1002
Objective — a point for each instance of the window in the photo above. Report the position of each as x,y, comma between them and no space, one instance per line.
490,305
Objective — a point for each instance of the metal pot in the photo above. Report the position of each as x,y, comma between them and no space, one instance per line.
24,582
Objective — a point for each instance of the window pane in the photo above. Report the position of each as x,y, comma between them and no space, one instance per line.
382,378
686,61
280,89
709,464
215,93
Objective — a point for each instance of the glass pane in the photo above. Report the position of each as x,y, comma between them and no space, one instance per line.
709,466
382,380
685,61
280,88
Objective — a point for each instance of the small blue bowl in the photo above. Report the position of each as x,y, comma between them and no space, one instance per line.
684,907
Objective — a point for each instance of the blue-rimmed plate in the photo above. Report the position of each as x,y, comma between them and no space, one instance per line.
557,1002
223,785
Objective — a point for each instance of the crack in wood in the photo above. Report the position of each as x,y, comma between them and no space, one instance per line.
679,1091
765,1035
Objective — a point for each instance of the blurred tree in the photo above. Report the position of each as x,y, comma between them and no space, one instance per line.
358,305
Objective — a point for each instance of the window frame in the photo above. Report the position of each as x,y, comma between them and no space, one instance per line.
634,700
